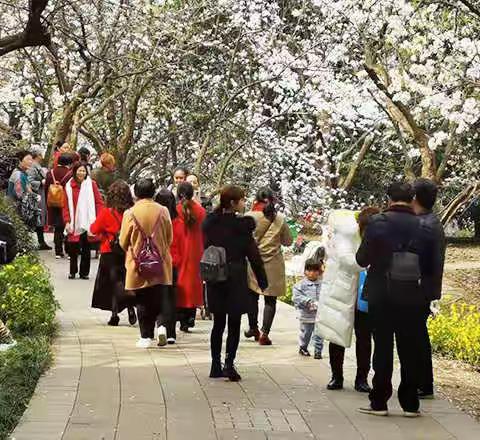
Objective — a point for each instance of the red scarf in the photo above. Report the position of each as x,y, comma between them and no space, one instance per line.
258,206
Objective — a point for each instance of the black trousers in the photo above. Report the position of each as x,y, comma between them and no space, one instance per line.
58,239
149,305
167,316
405,323
268,313
426,381
40,235
233,338
363,349
81,248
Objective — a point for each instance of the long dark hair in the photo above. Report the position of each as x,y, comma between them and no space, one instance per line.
185,194
229,194
119,196
265,195
166,198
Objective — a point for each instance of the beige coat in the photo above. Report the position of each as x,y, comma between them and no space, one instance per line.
147,212
270,245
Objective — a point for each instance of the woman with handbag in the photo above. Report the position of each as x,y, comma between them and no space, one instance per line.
82,205
55,191
20,191
37,175
109,291
232,234
271,233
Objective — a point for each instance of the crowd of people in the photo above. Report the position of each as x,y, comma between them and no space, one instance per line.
166,252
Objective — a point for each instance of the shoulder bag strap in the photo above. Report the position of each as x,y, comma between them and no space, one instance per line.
265,232
156,226
53,177
137,224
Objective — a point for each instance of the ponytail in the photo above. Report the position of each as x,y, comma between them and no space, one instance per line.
269,211
266,197
188,214
185,194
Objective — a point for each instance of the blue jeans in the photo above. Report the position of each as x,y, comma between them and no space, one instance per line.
306,331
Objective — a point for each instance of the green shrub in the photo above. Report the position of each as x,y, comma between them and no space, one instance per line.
455,333
27,303
20,369
25,239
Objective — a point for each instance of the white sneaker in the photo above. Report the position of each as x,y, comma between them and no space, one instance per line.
373,412
144,343
171,341
412,414
162,336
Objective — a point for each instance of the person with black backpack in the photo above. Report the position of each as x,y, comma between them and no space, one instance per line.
398,249
229,243
109,291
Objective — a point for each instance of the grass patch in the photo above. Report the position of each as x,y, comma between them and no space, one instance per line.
20,369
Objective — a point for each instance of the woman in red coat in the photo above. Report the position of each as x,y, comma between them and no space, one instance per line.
187,249
109,291
83,203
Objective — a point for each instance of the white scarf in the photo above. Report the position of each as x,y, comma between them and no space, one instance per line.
85,213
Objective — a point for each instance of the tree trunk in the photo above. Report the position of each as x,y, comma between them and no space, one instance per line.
347,182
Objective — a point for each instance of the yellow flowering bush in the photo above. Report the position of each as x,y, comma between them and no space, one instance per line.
27,303
455,332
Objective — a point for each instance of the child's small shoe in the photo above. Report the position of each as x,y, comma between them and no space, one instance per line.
318,355
303,352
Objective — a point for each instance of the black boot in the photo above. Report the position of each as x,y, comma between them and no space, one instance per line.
230,371
114,320
132,316
362,386
216,370
335,384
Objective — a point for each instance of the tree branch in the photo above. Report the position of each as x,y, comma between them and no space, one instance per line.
36,32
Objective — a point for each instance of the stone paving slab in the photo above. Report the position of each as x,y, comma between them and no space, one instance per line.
102,387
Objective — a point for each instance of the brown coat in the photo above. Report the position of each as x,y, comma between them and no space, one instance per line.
270,238
146,211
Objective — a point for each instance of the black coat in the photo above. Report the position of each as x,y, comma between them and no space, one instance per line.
235,234
390,230
433,283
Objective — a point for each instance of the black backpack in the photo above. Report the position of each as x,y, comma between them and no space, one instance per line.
8,240
404,275
213,265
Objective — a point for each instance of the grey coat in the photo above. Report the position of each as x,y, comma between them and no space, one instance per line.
306,294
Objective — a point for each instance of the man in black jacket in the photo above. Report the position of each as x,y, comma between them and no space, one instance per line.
425,198
398,250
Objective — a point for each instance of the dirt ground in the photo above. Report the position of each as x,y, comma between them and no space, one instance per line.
459,383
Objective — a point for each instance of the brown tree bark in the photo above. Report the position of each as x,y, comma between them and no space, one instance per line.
405,119
36,32
347,181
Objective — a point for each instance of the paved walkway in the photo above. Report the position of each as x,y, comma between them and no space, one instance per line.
102,387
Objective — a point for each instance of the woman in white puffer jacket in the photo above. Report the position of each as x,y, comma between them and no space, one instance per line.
336,309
